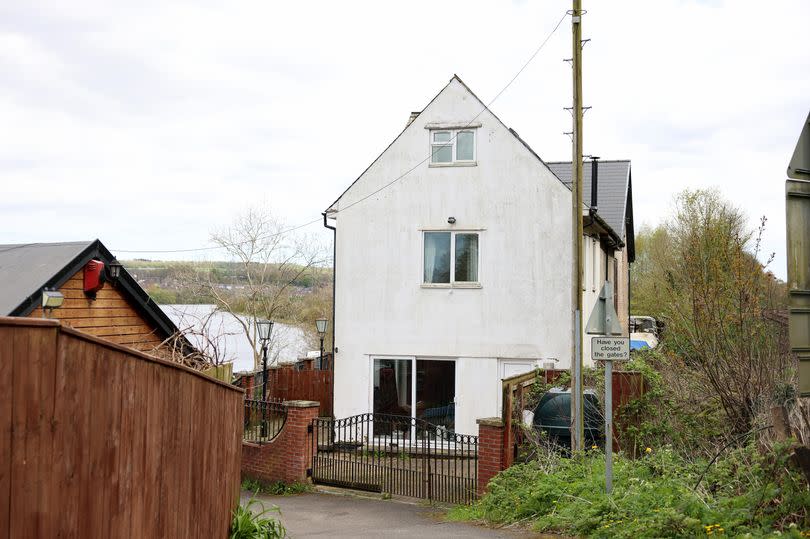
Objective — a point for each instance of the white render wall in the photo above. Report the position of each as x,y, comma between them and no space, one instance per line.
523,308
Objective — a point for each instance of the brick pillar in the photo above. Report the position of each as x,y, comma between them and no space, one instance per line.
300,442
287,456
490,450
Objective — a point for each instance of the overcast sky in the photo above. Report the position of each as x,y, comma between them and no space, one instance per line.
148,124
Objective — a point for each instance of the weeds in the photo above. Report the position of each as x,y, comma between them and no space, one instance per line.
277,488
247,524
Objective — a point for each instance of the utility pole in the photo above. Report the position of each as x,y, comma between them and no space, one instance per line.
577,427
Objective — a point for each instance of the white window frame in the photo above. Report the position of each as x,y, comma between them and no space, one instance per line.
454,161
453,283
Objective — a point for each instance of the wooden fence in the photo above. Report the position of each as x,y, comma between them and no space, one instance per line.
289,383
99,440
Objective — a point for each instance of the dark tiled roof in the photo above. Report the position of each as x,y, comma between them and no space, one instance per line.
613,184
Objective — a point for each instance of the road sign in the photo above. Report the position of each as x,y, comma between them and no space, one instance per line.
603,319
610,348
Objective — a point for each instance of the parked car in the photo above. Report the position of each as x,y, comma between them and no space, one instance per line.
645,332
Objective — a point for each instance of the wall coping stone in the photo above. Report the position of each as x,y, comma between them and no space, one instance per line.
490,421
302,404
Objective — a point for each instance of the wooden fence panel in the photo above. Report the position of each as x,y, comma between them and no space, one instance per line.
6,378
312,385
98,440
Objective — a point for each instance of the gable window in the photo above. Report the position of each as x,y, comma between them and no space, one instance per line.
452,146
450,258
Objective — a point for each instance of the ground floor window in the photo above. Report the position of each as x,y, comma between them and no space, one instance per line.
430,383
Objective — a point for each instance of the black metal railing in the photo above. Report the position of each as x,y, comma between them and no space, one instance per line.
263,420
398,455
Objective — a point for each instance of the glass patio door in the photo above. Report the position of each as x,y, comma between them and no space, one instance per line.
429,383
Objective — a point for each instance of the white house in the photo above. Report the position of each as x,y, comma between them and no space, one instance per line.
453,275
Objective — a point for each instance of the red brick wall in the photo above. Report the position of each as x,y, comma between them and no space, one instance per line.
490,450
287,457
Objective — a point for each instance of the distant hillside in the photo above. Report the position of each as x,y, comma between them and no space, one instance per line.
178,282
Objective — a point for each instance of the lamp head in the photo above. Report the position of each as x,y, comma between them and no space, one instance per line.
265,329
321,324
114,268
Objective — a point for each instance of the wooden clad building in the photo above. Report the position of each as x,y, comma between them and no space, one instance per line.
120,311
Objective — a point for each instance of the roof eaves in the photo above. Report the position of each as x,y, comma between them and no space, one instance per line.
331,208
57,280
612,233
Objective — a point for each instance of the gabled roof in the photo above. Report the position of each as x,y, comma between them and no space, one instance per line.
613,189
26,269
414,116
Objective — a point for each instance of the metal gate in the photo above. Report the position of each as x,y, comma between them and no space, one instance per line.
397,455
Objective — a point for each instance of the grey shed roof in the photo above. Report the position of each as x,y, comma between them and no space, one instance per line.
26,267
613,189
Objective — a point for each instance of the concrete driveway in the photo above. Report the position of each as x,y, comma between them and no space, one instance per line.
320,514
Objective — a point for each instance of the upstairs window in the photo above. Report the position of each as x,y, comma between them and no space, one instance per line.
451,258
450,146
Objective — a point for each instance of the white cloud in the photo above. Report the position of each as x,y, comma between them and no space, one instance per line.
150,124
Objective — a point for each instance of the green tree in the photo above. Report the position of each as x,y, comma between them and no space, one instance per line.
719,304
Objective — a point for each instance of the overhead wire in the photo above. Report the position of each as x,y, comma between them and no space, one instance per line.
383,187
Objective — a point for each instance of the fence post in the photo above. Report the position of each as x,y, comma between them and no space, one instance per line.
491,458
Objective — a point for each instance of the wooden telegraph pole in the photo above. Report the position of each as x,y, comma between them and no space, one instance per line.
577,426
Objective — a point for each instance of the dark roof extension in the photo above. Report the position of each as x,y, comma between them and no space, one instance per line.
614,194
26,269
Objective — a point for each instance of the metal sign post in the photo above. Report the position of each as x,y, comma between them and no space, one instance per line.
609,349
609,426
604,321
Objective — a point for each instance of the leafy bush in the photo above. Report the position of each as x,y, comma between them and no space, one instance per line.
656,495
247,524
677,409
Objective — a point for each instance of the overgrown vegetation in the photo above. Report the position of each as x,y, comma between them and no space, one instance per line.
254,521
745,492
699,456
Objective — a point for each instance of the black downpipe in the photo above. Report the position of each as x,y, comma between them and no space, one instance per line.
594,181
334,281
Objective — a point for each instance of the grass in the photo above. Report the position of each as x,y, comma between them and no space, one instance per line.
744,494
277,488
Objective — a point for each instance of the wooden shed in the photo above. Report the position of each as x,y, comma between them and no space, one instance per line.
119,310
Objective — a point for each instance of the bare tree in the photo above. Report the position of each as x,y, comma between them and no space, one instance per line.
273,260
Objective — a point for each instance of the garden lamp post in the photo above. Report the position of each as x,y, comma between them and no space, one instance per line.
321,324
265,328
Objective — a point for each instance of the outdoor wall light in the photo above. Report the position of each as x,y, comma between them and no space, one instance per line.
51,299
114,268
451,220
